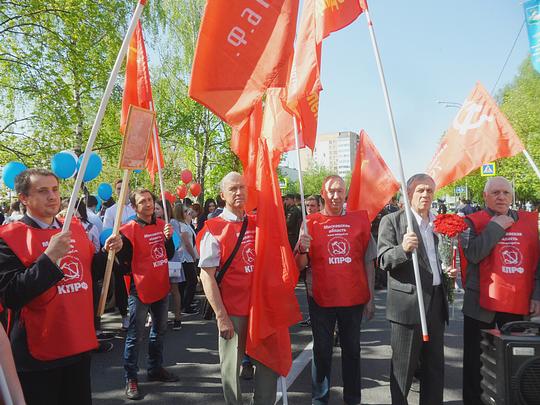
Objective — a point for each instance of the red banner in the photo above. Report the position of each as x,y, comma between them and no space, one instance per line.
242,50
372,182
138,92
479,134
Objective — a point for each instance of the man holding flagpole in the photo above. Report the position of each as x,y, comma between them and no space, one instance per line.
396,244
227,243
341,252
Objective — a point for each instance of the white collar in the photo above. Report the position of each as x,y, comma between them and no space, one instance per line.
228,215
419,219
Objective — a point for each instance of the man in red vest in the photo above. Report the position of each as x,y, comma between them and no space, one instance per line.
46,283
231,298
502,279
340,250
148,246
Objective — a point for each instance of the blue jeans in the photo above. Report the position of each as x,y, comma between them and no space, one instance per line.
323,323
135,333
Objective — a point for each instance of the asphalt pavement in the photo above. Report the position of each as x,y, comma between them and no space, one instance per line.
192,354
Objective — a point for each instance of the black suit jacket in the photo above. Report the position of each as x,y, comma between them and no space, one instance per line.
402,301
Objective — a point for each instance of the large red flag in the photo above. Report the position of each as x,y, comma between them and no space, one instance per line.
479,134
138,92
242,50
274,306
319,19
372,182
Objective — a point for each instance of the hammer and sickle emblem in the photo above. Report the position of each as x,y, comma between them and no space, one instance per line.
470,108
339,248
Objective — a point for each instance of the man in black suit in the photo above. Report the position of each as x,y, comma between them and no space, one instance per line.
395,247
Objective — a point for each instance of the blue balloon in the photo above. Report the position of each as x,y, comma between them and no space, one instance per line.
93,167
98,206
104,235
10,171
104,191
176,240
137,171
64,165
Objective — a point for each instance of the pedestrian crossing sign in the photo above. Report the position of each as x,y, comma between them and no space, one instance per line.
489,169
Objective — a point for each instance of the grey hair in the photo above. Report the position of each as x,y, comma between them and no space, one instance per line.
417,178
491,180
226,178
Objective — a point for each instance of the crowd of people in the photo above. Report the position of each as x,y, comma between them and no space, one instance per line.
50,282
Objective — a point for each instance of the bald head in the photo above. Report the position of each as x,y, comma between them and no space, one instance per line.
233,192
498,195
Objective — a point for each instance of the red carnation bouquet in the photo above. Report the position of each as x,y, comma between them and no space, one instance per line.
450,226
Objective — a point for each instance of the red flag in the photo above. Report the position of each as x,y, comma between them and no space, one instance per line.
241,52
138,92
319,19
274,306
479,134
372,182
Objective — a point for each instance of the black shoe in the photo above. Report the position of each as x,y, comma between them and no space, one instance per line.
105,335
162,375
190,310
177,325
132,389
307,322
104,347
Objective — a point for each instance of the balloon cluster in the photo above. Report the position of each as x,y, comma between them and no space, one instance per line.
66,164
182,190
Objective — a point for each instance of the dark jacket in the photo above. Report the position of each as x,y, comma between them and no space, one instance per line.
402,301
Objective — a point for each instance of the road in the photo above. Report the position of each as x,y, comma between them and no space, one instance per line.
191,353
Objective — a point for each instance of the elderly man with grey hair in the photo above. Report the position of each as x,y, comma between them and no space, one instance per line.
395,246
227,243
502,278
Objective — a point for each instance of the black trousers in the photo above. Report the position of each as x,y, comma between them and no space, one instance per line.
188,287
471,353
323,322
67,385
409,351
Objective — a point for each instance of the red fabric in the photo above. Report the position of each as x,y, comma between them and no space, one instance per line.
372,182
479,134
273,302
337,258
235,287
507,274
149,264
138,92
319,19
60,322
242,50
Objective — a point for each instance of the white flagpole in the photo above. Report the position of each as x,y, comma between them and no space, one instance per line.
531,162
300,179
101,112
160,172
401,172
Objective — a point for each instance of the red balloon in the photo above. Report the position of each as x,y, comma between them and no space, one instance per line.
195,189
186,176
169,197
181,191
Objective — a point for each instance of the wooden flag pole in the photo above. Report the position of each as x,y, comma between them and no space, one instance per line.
116,228
160,171
101,112
401,172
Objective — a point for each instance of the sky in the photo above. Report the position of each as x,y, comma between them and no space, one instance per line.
431,51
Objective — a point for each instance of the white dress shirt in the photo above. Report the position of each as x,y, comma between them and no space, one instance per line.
428,237
210,250
110,215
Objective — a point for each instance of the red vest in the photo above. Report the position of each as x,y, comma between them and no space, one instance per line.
149,264
235,287
507,274
60,322
337,258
